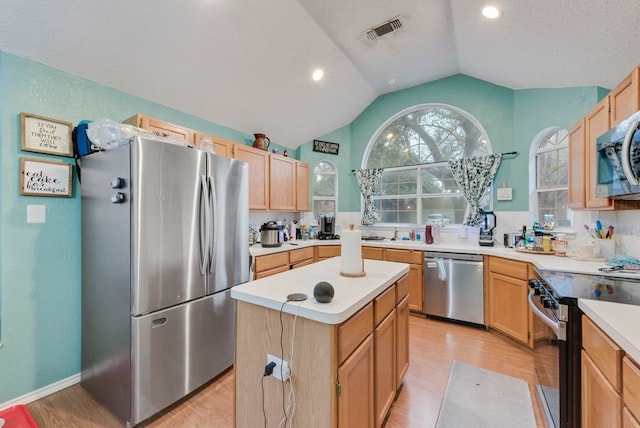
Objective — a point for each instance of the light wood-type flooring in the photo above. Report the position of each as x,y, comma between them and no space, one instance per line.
434,345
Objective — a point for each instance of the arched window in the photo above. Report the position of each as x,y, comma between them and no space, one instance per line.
549,178
325,188
429,134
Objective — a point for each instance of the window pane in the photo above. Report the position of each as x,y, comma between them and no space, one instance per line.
398,183
552,208
443,210
321,207
324,185
400,210
553,169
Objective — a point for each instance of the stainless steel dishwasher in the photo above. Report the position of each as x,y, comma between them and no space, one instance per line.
453,286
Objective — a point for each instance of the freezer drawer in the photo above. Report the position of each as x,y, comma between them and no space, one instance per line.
454,287
177,350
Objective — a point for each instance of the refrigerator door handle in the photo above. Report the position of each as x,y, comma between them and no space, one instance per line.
213,243
204,234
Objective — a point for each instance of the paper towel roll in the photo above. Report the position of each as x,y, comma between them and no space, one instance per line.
351,253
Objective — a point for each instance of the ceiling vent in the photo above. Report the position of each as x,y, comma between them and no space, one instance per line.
385,28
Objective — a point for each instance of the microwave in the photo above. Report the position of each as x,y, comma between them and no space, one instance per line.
618,161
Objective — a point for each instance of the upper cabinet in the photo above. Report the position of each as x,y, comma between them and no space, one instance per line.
625,98
221,146
276,182
597,123
153,124
622,102
577,154
282,183
258,161
302,186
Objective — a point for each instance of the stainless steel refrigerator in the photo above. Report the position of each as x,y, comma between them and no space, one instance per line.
164,237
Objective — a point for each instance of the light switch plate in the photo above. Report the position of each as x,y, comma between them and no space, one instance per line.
36,214
505,194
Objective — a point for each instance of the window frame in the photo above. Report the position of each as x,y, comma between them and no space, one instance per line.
419,196
334,198
534,192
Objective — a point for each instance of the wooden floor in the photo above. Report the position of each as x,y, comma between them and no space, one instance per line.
434,346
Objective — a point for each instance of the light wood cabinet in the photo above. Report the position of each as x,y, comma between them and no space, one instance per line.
508,298
601,378
356,388
258,161
373,253
416,286
402,340
221,146
577,163
282,176
631,389
385,365
152,124
596,123
271,264
625,98
327,251
628,421
302,186
601,403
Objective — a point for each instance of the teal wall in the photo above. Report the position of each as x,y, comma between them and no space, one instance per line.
511,118
40,263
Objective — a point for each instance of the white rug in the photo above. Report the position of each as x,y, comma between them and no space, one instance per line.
480,398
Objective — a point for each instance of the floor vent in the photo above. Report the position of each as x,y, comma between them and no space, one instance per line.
384,28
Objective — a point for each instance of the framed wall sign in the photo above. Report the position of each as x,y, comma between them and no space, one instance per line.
326,147
45,178
44,135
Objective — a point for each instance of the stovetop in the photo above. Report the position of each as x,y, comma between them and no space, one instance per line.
571,286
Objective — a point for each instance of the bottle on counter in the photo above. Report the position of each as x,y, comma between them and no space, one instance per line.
428,234
435,232
412,235
561,245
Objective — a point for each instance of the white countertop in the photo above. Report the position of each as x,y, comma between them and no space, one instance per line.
619,321
541,261
351,294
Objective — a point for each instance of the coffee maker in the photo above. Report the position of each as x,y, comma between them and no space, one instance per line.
485,238
327,227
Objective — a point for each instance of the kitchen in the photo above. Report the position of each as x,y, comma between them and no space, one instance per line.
37,352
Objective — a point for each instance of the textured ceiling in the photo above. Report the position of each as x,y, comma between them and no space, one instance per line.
247,64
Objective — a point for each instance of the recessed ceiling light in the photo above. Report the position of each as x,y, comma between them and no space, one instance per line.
317,75
491,12
392,81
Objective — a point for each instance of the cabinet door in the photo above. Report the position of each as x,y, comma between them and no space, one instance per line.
416,288
601,404
385,366
282,183
625,98
327,251
597,123
355,379
302,186
258,161
402,340
628,421
162,127
577,161
508,306
221,146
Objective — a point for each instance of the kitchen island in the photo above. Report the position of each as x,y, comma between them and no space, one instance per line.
347,357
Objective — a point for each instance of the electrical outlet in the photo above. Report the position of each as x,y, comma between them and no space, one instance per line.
281,370
505,194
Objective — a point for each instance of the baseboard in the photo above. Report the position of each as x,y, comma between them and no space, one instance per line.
42,392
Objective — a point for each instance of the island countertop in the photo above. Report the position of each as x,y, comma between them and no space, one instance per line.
351,294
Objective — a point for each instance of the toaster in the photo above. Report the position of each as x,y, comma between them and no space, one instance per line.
511,240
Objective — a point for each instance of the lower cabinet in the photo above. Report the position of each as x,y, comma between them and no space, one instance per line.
601,377
272,264
355,394
508,298
416,287
370,374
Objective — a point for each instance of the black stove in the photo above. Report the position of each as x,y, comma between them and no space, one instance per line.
328,236
568,287
554,300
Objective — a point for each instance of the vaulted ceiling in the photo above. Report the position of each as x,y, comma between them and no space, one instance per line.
247,64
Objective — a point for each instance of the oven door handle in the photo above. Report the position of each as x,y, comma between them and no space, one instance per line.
558,327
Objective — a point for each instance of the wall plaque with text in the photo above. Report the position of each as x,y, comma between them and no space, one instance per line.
325,147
